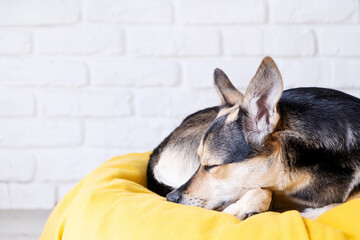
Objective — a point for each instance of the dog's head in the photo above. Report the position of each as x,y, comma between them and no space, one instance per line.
237,151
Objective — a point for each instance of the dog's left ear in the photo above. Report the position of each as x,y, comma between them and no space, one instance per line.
227,92
261,98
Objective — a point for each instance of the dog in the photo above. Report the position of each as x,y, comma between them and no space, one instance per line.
267,149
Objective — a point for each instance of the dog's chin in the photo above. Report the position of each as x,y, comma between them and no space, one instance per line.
195,202
218,206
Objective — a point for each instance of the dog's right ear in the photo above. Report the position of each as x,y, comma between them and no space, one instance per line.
260,101
227,92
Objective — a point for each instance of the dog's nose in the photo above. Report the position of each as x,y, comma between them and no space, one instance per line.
173,196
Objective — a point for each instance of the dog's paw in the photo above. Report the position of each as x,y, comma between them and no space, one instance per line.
253,202
242,214
236,210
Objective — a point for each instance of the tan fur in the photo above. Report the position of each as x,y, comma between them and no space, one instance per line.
227,92
253,201
260,172
225,111
232,97
353,196
266,80
231,179
220,184
297,180
233,115
254,86
204,159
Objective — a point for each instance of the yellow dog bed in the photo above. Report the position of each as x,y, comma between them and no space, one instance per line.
112,202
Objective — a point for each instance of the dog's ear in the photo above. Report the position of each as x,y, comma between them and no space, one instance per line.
227,92
260,101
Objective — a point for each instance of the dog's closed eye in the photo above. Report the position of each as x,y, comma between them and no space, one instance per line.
208,167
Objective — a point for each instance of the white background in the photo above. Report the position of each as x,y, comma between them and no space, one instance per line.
82,81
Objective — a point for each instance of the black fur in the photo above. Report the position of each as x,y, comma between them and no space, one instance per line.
314,114
314,124
228,139
322,117
304,143
152,183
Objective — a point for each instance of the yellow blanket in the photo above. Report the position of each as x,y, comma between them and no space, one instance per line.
112,202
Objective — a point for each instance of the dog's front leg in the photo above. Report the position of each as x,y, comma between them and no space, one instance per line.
252,202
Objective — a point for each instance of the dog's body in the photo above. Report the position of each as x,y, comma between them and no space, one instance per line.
267,149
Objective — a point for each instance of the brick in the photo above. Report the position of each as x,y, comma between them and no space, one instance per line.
79,41
199,73
274,42
308,11
301,73
17,166
16,103
95,133
288,42
85,103
14,42
179,103
68,166
340,42
38,12
39,133
131,134
32,196
42,73
224,12
123,11
5,196
243,42
135,73
342,73
179,43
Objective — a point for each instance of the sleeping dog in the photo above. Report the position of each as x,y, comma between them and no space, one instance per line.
267,149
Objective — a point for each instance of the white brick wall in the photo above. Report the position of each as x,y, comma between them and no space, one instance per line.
313,12
17,166
125,73
15,43
79,41
84,80
171,42
38,12
41,72
214,12
124,11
